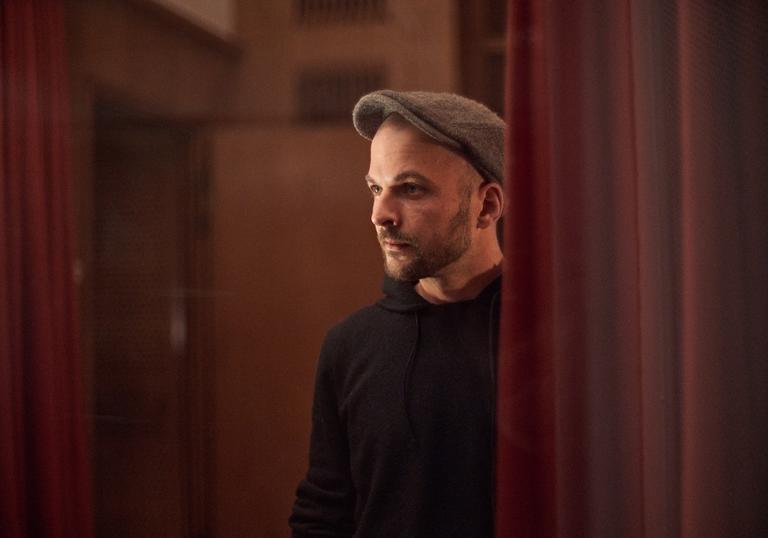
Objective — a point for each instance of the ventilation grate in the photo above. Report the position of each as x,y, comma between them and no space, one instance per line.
339,11
327,96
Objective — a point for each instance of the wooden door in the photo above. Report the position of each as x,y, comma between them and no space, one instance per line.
148,328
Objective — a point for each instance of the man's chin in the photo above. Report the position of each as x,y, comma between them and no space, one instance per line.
400,277
404,272
396,270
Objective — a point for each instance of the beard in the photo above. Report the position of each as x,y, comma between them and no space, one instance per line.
427,259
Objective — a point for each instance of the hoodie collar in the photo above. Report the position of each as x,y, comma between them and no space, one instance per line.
401,296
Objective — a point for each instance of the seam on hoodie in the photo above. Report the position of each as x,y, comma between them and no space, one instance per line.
407,379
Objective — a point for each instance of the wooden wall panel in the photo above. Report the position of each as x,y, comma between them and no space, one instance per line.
295,252
138,271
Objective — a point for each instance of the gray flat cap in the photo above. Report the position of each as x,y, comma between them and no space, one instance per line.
455,121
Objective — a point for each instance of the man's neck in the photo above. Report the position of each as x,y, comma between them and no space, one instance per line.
457,287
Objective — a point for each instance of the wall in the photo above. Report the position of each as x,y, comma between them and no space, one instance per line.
417,43
295,252
217,16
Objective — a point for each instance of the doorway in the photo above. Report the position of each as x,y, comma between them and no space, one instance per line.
152,368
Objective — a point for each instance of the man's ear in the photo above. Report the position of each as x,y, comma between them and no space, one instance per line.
492,197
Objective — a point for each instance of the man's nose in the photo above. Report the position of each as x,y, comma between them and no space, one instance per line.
385,211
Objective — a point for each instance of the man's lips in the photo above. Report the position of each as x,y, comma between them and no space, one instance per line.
397,246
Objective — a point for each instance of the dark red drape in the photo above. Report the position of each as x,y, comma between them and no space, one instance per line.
45,484
633,371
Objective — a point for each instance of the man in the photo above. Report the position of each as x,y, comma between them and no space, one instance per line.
402,425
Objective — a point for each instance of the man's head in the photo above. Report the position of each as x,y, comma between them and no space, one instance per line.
435,204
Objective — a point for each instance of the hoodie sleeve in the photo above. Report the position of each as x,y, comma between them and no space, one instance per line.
325,499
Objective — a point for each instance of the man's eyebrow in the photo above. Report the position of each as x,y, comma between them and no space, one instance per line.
410,174
402,176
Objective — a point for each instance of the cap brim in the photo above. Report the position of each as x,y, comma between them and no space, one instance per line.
371,111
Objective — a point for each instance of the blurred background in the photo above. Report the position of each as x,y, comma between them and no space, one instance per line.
183,216
223,226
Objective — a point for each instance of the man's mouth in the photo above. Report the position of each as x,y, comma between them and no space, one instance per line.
396,246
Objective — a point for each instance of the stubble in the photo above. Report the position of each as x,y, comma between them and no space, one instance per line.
428,260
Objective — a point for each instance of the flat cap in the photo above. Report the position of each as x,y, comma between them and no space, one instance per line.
455,121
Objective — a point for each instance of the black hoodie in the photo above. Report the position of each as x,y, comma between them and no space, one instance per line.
402,421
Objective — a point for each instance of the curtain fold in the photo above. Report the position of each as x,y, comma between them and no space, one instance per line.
45,489
632,369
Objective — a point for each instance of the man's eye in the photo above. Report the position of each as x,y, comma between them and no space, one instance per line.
411,188
375,189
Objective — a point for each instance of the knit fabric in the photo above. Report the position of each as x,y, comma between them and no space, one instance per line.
455,121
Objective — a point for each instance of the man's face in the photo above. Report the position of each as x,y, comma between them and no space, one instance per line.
422,196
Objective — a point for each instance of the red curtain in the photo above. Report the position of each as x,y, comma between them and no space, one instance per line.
44,478
633,374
